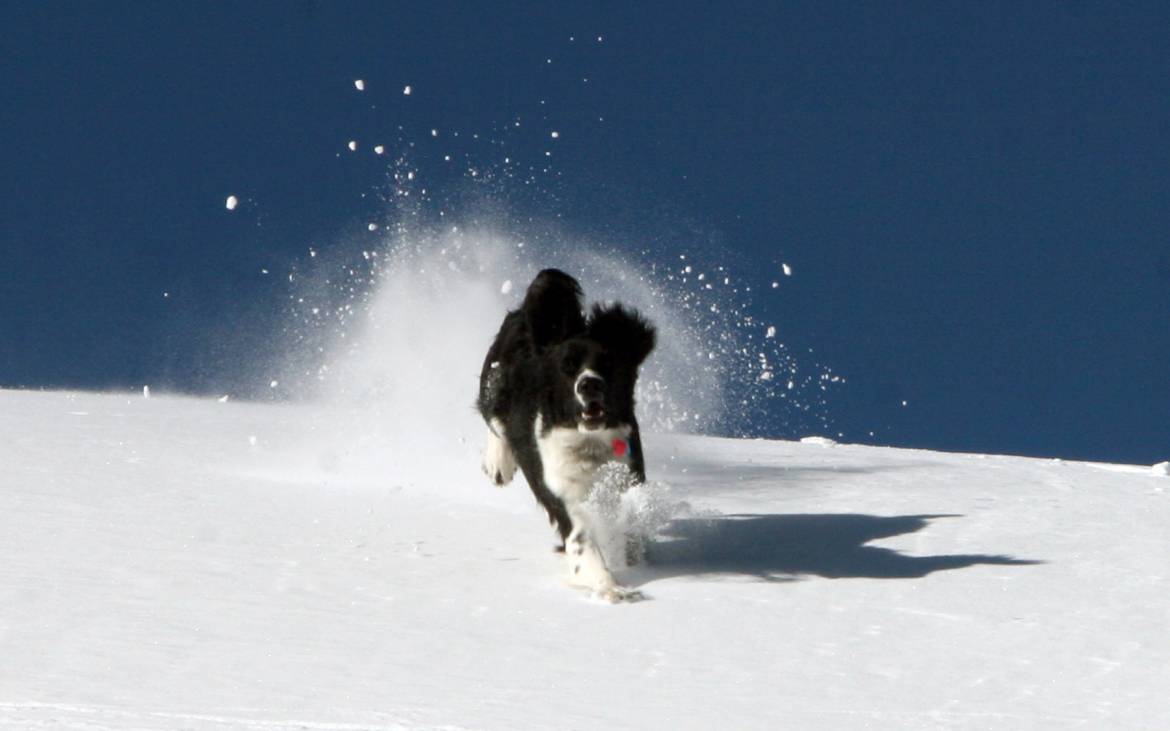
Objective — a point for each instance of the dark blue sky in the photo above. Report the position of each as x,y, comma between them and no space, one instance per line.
974,196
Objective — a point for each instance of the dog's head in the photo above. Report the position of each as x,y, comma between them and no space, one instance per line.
597,371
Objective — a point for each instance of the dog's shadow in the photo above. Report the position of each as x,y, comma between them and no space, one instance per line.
786,547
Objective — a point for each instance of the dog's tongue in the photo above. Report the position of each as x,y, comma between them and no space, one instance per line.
594,411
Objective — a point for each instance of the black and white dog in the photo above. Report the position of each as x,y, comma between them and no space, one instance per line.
557,393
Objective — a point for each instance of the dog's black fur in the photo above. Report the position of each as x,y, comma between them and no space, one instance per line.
539,364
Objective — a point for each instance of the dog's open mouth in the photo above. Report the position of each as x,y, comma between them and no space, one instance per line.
593,416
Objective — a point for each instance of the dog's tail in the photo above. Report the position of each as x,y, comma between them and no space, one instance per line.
553,307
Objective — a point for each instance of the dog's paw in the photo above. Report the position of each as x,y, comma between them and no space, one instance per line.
499,464
619,595
498,476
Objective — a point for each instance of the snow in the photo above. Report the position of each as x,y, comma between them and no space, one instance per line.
787,270
406,90
359,84
820,441
1162,468
174,563
352,145
231,203
379,149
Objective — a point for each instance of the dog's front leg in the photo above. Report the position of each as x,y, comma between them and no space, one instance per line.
499,462
587,566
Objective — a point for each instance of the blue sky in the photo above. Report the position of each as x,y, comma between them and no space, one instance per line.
974,196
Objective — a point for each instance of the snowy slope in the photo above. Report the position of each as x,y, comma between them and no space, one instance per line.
173,563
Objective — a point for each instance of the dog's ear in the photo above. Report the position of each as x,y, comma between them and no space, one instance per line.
623,332
552,306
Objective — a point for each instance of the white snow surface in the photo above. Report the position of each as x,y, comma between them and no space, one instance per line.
177,563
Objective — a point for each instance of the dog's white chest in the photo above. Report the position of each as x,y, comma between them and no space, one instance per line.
570,457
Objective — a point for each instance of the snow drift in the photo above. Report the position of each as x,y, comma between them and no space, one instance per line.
178,563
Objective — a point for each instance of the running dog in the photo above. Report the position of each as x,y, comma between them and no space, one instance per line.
557,393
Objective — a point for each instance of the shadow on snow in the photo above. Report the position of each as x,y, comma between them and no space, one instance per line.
784,547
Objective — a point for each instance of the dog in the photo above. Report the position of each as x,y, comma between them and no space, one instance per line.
557,393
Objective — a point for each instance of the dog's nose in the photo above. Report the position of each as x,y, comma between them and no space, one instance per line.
590,387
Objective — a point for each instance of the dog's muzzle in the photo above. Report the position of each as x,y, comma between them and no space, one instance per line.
590,390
